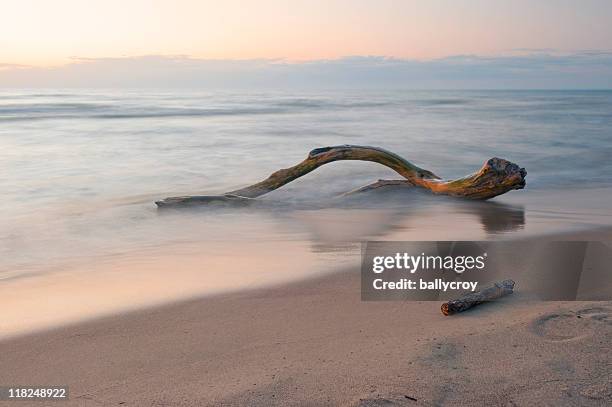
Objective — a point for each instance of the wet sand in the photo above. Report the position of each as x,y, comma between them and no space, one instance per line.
303,341
316,343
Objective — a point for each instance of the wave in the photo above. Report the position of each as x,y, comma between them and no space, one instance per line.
92,112
437,102
63,110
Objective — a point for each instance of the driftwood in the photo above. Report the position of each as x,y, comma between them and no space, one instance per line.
496,177
205,200
470,300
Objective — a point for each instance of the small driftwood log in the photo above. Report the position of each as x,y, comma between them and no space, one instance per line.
496,177
470,300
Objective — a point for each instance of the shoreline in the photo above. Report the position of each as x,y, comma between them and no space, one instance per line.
123,284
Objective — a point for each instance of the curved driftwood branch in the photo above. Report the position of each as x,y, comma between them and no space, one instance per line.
496,176
324,155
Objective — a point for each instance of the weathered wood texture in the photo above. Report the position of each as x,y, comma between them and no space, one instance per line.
470,300
496,176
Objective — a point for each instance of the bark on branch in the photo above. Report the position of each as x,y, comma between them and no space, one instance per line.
496,176
470,300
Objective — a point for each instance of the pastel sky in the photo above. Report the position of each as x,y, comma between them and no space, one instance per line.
50,33
308,43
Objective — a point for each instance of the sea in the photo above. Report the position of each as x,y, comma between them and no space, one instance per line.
80,170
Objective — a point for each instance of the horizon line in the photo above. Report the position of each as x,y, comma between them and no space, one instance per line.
518,52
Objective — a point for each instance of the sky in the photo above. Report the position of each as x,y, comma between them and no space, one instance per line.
51,41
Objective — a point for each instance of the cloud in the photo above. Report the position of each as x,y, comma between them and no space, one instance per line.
11,66
544,69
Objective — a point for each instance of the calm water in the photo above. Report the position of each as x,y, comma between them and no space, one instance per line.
80,171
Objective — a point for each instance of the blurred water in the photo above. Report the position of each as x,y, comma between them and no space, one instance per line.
80,169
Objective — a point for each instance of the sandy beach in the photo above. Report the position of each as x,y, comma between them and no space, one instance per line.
316,343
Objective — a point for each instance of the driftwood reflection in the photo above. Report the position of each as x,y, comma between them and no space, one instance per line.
496,217
365,218
334,224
